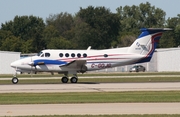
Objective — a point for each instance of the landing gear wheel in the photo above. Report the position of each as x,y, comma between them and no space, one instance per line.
64,79
74,80
15,80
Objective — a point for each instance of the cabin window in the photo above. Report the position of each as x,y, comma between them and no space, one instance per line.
73,55
61,55
47,54
78,55
105,55
84,55
67,55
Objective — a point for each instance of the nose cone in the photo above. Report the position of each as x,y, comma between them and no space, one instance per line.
14,64
22,63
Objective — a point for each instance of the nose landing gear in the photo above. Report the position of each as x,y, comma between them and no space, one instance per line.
15,80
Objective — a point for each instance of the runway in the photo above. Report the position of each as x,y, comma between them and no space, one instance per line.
89,108
91,87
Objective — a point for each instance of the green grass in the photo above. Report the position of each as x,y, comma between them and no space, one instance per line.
90,97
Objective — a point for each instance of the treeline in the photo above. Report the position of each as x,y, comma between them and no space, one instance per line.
92,26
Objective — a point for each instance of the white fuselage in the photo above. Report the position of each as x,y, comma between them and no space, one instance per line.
95,60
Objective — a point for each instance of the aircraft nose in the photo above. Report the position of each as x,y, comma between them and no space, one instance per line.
14,64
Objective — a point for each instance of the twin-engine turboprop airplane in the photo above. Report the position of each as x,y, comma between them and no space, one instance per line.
74,61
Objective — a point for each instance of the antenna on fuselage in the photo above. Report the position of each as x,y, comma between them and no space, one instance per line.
89,48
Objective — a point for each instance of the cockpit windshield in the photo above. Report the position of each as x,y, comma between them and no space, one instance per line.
41,54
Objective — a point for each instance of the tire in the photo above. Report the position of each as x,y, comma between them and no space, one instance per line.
64,79
15,80
74,80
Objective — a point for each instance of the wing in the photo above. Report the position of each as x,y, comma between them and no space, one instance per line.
80,65
75,64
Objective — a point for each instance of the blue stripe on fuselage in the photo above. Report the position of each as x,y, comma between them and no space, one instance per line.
53,62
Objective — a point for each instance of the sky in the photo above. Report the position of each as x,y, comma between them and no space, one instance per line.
43,8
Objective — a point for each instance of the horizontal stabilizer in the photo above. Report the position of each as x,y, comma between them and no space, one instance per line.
157,29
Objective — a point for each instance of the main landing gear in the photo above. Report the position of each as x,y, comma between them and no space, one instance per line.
65,79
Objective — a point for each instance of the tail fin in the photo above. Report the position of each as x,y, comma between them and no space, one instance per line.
147,42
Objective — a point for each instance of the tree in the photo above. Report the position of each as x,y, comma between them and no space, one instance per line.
171,38
62,22
101,27
84,35
25,28
126,40
3,35
49,32
11,44
133,18
59,43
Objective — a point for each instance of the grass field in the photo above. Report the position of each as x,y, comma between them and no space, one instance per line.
90,97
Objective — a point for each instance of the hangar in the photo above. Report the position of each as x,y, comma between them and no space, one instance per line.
6,58
167,59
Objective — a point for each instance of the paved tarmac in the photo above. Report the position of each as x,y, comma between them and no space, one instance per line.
91,87
90,109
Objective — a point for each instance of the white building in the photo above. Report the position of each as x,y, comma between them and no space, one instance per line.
167,60
6,58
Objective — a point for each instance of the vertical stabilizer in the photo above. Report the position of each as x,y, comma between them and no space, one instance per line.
147,42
